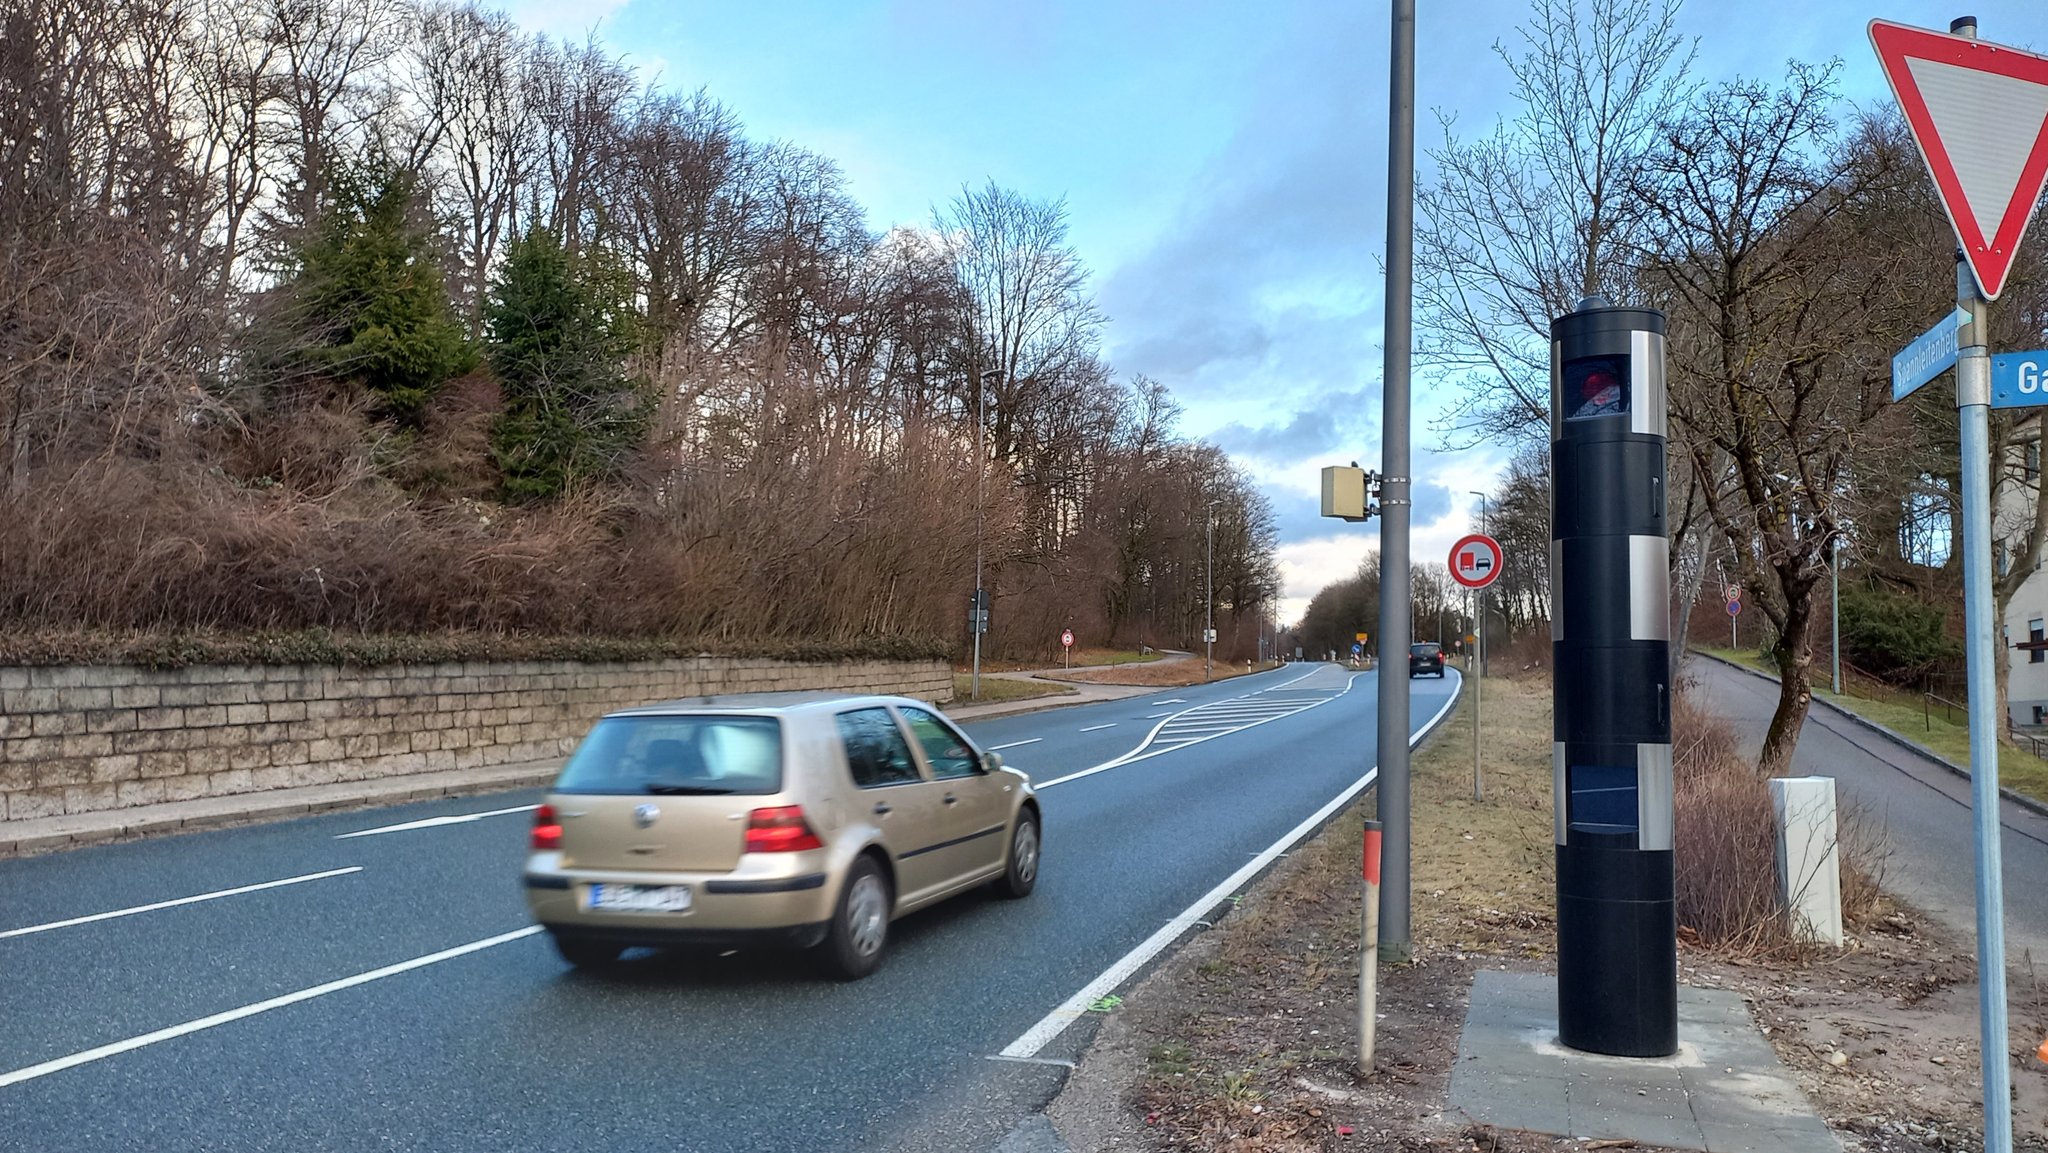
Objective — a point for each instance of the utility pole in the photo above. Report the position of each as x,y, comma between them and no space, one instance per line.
1395,634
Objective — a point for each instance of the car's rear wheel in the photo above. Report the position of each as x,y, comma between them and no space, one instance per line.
587,954
860,923
1021,874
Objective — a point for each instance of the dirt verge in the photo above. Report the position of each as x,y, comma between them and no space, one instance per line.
1244,1041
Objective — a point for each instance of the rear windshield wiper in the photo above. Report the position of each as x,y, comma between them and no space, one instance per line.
688,790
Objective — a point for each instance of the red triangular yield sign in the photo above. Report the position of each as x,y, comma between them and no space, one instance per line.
1979,112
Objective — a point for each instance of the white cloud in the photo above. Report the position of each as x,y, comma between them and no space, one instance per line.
1307,566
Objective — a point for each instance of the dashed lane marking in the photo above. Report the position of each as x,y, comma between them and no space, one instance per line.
435,822
193,900
88,1056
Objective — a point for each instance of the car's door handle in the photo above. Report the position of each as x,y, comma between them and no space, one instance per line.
882,810
951,799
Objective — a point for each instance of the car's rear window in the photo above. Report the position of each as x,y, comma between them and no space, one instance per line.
1423,650
684,756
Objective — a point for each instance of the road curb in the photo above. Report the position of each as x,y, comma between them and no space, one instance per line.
49,834
2021,799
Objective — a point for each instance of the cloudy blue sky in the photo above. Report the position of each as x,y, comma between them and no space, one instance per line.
1224,165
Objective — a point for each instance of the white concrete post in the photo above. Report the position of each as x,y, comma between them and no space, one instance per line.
1809,861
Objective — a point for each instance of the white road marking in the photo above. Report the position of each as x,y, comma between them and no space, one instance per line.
1014,744
1093,728
1076,1006
88,1056
1187,727
151,908
435,822
1172,701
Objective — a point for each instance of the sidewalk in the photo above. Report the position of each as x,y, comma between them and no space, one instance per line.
48,834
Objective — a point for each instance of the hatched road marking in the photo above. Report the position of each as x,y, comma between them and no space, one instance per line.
1221,718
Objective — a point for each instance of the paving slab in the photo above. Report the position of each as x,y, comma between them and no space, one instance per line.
1723,1092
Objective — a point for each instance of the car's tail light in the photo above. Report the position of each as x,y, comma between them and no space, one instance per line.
780,830
547,829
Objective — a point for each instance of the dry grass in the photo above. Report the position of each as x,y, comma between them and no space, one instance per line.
1002,689
1484,872
1165,673
296,524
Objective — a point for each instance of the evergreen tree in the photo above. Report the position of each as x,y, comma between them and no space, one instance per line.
559,328
368,301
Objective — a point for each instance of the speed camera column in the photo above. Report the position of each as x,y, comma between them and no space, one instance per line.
1617,932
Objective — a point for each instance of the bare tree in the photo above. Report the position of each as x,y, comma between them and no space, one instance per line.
469,66
1780,283
581,97
1523,221
328,90
1032,321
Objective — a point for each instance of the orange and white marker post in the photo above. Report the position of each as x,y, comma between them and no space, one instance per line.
1369,960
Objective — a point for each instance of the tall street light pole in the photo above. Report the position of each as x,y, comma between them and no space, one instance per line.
1835,604
978,615
1395,487
1209,601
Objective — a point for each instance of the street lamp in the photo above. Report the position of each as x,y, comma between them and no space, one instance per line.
1209,602
978,615
1835,603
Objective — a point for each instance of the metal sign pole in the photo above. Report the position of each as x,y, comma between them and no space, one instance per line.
1479,793
1973,406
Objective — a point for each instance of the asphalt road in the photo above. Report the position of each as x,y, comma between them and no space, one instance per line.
393,996
1922,808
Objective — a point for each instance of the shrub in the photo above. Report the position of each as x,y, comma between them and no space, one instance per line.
1724,838
366,303
560,327
1893,635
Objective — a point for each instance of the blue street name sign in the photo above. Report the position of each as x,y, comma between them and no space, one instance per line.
2019,379
1928,357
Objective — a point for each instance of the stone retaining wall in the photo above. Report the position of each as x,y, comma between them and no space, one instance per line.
76,739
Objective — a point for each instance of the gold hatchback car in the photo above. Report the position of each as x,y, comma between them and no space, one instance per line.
801,820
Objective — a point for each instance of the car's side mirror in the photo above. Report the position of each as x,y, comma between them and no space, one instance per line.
992,761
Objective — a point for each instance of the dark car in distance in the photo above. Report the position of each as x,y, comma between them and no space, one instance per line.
1425,658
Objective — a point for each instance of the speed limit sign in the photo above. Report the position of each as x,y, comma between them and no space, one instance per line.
1067,638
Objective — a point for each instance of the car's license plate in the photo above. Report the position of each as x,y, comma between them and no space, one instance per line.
640,898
